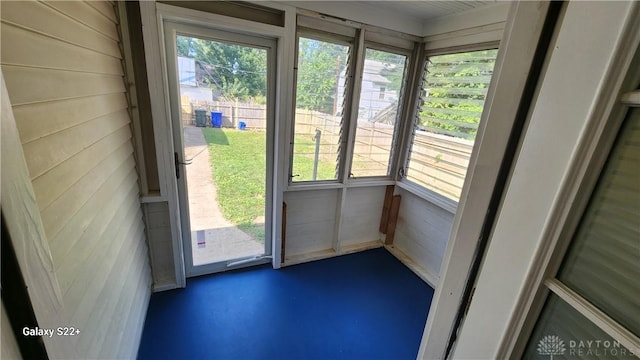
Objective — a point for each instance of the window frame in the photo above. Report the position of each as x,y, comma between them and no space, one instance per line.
359,37
402,181
334,38
401,115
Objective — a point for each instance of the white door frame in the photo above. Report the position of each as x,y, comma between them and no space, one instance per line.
153,16
171,30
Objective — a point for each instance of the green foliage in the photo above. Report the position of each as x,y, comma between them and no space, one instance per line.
319,66
238,162
238,72
456,85
234,90
303,159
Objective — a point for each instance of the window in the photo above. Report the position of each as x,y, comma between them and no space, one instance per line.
383,81
453,92
321,90
593,307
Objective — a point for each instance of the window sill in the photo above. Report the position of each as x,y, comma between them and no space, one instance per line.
352,183
428,195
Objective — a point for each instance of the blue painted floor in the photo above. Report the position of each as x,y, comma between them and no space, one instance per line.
361,306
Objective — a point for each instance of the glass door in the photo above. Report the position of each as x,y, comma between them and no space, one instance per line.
221,99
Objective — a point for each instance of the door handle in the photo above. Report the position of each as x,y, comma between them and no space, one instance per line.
177,163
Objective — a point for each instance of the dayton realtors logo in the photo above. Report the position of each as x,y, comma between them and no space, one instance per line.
551,345
554,345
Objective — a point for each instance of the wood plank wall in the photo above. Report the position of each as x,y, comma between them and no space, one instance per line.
62,66
422,233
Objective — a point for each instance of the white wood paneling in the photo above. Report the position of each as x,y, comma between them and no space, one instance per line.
422,233
311,219
361,215
158,222
64,78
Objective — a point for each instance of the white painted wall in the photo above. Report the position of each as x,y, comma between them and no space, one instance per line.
564,105
62,65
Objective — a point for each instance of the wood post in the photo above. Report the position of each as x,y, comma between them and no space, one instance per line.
393,219
384,220
284,231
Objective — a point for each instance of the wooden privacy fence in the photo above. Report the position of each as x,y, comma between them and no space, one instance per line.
253,115
438,162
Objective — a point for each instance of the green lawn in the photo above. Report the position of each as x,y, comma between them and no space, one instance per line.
303,162
238,161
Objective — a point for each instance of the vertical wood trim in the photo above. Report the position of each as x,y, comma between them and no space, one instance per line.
394,210
350,121
132,96
388,198
284,232
158,91
284,98
337,232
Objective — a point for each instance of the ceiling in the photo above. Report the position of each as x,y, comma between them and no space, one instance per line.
400,15
425,9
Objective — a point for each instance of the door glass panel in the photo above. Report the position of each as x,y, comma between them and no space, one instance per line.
603,262
380,94
223,89
563,333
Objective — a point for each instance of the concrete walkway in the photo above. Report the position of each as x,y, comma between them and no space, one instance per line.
213,238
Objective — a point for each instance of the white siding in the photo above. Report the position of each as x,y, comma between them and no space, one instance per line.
62,66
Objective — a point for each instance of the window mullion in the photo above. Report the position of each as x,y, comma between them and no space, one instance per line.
595,315
419,81
352,102
409,90
411,106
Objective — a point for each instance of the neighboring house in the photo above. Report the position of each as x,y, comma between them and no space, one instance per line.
90,196
188,84
375,94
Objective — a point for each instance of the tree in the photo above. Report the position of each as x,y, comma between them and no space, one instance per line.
238,72
320,64
456,86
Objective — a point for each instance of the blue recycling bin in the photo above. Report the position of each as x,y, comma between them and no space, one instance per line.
216,119
242,125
